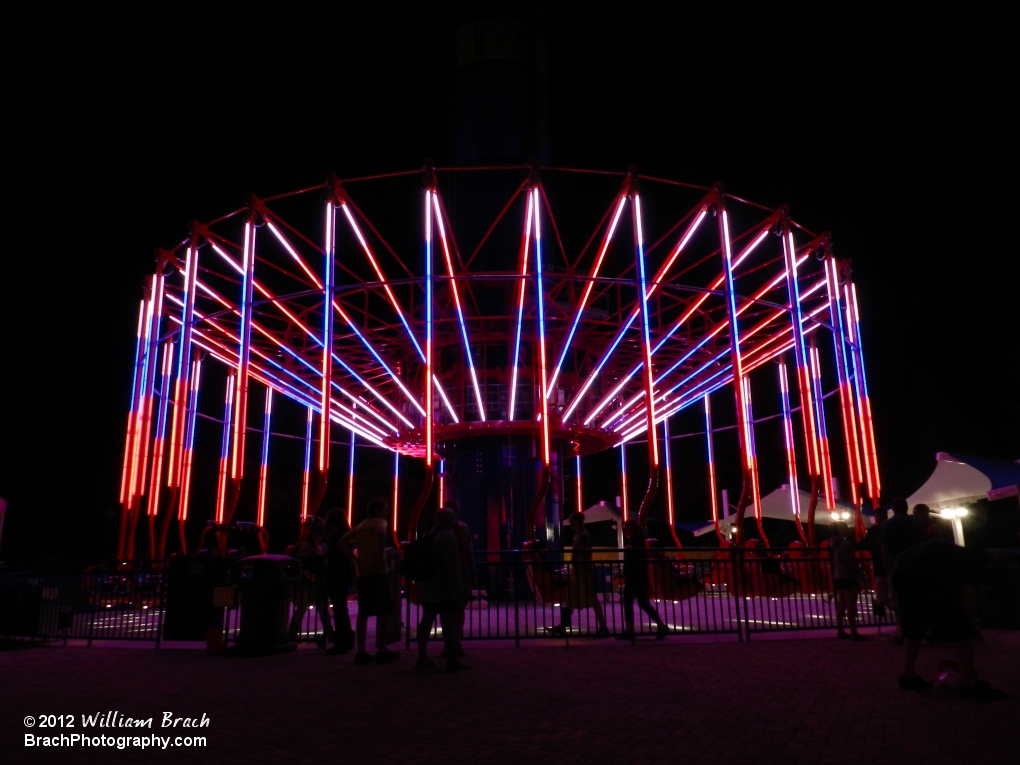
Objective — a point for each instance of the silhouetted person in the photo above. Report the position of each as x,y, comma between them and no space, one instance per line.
898,533
441,594
467,567
936,586
846,581
872,540
339,578
310,588
369,539
922,514
635,580
581,592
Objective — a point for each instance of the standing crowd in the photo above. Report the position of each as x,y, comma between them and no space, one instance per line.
929,584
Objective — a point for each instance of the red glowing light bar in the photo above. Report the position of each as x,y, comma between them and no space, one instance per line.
679,323
189,440
158,447
522,288
264,465
350,482
244,356
307,475
583,302
863,400
129,438
428,331
823,437
755,485
329,255
625,504
459,308
646,337
177,433
807,406
396,494
712,489
544,409
845,394
221,490
791,453
669,479
393,300
577,469
691,229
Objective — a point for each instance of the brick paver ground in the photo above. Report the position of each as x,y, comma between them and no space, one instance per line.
805,699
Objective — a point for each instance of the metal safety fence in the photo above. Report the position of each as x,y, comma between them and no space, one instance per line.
516,595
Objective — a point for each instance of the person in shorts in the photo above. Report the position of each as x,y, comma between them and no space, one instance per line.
368,539
581,592
936,586
846,581
442,594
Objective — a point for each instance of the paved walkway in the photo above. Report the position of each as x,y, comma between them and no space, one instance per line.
808,699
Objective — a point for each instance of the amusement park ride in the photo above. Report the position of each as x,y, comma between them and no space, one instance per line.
568,312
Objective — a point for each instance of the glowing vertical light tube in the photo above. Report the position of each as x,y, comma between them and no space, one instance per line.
525,248
142,405
151,355
646,337
428,329
177,433
807,407
791,453
739,388
459,309
543,382
690,311
396,307
577,472
188,453
243,357
350,481
755,490
396,493
442,483
221,492
670,509
160,436
582,304
845,393
625,505
307,475
629,321
710,454
823,437
129,436
329,258
264,464
864,400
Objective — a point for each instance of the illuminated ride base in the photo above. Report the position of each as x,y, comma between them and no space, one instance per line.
570,307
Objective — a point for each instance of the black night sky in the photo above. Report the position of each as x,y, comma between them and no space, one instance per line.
902,144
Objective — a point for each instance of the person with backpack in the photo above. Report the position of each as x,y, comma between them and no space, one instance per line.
441,589
369,539
467,567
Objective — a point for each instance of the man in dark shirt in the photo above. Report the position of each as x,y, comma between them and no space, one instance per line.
898,533
936,586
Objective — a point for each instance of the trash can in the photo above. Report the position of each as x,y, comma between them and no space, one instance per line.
267,587
190,611
20,606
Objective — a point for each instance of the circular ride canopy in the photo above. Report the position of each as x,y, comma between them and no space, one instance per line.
538,302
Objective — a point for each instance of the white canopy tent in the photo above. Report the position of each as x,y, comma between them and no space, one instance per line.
958,480
776,505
